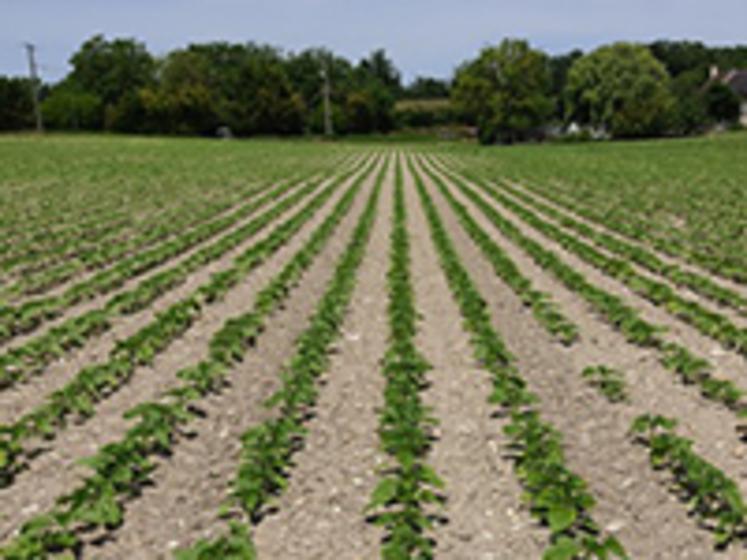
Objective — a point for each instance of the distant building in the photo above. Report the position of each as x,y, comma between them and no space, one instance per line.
737,81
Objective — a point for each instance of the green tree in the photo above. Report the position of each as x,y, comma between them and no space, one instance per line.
379,68
369,109
189,109
621,88
559,67
67,107
359,113
262,100
426,88
252,89
186,100
690,112
722,104
362,96
16,105
128,114
505,92
305,73
114,71
682,56
245,87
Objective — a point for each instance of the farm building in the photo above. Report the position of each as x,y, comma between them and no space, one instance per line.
737,81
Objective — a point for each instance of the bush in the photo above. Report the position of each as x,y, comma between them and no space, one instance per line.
16,104
66,109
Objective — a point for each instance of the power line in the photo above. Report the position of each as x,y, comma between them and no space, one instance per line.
35,84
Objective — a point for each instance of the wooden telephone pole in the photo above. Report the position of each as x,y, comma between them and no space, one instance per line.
35,85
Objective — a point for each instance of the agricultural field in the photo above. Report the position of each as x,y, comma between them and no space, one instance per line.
306,350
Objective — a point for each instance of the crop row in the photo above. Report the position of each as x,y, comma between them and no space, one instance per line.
28,316
92,251
268,448
698,283
690,368
98,252
544,309
558,497
409,486
29,359
46,243
44,220
23,228
97,382
42,264
711,495
710,323
609,381
122,469
630,224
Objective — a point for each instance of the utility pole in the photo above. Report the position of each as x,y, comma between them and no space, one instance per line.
327,107
35,85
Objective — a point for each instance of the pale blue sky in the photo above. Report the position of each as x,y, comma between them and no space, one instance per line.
423,36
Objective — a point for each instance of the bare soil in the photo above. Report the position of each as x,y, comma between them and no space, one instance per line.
485,517
57,467
632,498
24,396
733,315
724,282
321,514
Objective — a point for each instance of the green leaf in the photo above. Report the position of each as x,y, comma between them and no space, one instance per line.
385,491
561,518
564,549
613,546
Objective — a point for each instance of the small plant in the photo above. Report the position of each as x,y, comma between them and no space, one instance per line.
557,496
710,323
267,449
613,309
710,494
541,304
610,382
94,383
122,469
408,485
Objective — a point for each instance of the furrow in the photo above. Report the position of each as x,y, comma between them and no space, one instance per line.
666,261
643,323
631,497
267,449
21,362
189,487
93,385
698,288
96,348
86,271
708,323
287,263
556,494
484,508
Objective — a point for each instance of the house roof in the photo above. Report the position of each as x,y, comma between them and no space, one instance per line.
737,81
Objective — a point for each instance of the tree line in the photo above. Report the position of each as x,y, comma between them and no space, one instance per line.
117,85
508,93
513,92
